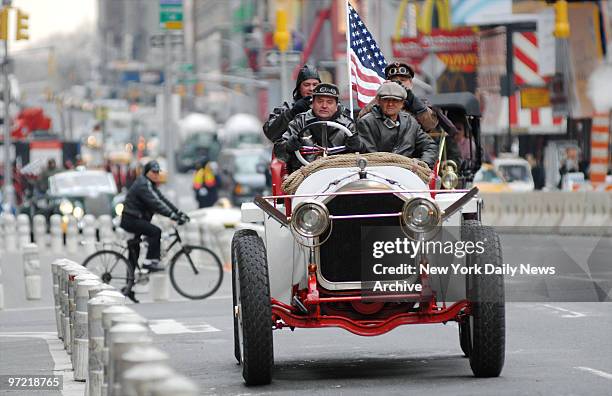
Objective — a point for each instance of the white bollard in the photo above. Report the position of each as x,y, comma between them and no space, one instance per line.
160,286
72,235
56,266
89,234
73,272
142,379
39,228
108,314
81,338
140,355
23,229
176,385
10,232
31,271
73,283
93,292
95,307
57,235
123,336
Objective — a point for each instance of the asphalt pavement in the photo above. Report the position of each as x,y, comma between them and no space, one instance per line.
552,348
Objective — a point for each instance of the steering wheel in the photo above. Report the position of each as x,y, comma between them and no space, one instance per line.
316,149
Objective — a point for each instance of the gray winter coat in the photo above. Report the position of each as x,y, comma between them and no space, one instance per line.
408,139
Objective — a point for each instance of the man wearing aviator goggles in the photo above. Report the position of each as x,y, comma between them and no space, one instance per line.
403,74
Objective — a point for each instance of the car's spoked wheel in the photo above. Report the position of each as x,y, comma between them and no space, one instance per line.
252,308
486,326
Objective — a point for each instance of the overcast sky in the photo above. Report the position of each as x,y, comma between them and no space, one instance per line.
52,16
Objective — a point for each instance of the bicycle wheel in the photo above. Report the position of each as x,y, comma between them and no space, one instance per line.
196,272
112,267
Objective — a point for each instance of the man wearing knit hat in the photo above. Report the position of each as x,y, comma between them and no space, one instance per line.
325,107
387,128
307,80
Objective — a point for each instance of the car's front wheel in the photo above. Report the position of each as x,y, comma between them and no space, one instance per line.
484,331
252,308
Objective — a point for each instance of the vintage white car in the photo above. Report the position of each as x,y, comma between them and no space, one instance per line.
320,261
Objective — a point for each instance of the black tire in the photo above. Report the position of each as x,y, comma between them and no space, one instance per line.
237,235
184,265
465,337
254,311
112,267
486,325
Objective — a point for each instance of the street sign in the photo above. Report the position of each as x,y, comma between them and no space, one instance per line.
273,57
157,40
171,14
535,97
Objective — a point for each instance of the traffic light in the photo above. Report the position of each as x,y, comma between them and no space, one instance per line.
281,34
22,26
562,27
4,23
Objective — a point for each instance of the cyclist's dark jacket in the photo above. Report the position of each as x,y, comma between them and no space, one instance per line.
143,200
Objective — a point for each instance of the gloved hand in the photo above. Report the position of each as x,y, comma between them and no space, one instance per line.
301,105
293,143
353,143
183,218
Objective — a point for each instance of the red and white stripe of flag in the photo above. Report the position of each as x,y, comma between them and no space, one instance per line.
364,81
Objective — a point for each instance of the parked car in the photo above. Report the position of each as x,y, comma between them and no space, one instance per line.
242,173
489,179
516,172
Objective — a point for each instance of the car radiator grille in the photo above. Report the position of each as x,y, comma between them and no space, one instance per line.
340,256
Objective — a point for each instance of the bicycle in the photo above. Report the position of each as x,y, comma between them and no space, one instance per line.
191,265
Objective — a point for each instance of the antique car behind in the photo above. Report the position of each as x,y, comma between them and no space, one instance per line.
80,192
316,264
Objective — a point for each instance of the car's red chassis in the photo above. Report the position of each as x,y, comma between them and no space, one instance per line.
284,315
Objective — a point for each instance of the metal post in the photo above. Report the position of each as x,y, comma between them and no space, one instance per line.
284,77
9,198
167,107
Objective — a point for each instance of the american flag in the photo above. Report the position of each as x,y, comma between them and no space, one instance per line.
367,63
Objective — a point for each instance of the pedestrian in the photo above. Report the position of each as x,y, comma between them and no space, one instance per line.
205,184
307,79
388,128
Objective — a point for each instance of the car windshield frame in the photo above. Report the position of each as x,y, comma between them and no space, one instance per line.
79,184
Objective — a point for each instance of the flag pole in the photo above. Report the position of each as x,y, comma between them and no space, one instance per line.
348,57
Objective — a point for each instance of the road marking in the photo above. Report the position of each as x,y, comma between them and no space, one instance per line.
27,309
61,360
171,326
600,373
569,314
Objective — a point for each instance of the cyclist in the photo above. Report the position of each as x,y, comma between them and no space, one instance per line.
143,200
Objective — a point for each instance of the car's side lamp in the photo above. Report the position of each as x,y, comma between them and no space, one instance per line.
271,211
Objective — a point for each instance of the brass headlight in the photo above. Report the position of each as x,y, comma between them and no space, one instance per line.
310,219
421,218
449,174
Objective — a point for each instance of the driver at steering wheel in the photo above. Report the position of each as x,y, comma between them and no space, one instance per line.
325,107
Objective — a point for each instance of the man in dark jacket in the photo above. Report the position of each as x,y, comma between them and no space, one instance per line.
279,119
403,74
387,128
325,107
143,200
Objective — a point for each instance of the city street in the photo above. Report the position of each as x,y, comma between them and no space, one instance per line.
551,347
